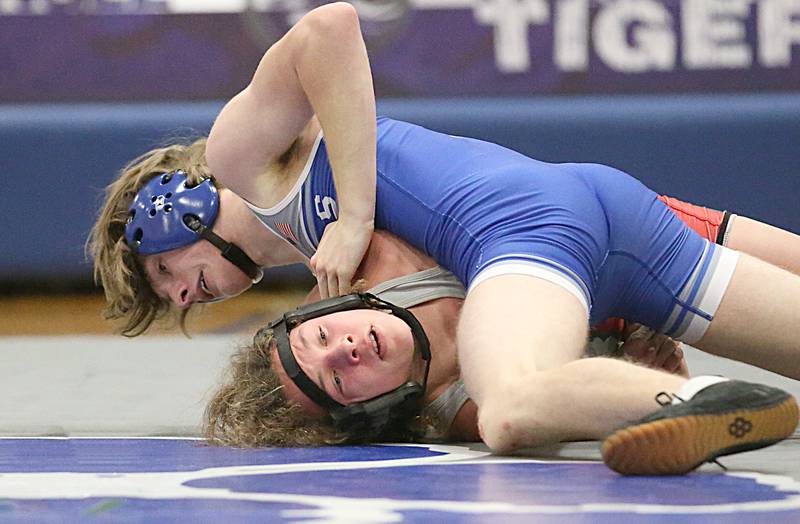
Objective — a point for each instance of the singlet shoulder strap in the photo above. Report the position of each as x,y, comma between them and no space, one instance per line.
412,290
418,288
443,410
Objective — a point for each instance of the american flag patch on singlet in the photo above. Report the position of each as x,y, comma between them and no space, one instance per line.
286,230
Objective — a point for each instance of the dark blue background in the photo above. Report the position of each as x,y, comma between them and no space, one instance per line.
736,152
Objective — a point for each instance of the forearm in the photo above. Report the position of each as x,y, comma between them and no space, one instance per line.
319,67
334,72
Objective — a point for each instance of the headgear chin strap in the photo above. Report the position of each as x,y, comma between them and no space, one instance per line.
370,416
167,214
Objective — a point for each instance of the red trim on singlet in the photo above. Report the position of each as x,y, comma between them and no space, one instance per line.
610,326
705,221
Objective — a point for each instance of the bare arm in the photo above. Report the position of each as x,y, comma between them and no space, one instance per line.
320,67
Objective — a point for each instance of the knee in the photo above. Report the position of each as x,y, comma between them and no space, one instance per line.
516,420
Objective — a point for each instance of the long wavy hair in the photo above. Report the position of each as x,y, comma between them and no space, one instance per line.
251,410
129,295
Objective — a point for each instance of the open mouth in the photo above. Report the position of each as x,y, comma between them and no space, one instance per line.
376,342
204,286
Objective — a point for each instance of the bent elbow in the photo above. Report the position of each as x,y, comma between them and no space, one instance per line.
337,20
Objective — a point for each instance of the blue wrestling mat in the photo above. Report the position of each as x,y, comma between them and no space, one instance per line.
185,480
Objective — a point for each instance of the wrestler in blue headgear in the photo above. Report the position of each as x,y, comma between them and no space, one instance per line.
167,213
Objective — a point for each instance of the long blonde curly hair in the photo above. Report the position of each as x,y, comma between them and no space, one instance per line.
129,295
251,410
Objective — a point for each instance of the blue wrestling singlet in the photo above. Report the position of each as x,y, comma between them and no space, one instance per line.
475,206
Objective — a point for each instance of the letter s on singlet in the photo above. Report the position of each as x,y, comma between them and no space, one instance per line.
325,207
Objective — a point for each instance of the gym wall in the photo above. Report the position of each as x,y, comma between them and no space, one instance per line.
657,88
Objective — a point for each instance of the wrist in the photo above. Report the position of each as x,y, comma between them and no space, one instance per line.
364,222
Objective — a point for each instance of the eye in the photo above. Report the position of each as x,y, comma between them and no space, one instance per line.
322,336
338,381
162,268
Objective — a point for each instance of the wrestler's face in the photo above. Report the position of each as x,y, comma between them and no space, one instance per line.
351,355
195,273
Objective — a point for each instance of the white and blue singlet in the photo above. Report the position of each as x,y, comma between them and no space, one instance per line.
482,210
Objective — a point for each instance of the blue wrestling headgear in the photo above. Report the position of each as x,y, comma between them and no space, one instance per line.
167,213
369,417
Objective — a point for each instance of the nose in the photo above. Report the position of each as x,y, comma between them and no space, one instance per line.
346,351
181,295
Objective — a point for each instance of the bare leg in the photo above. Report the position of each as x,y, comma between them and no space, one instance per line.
769,243
583,400
519,341
758,321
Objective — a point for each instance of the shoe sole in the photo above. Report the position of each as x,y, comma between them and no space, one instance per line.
675,446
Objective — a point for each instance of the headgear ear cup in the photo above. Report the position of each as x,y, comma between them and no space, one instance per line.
369,417
156,215
169,213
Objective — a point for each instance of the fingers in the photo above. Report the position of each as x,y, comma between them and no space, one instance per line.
674,362
638,344
322,283
344,284
321,276
683,368
328,284
665,347
331,284
338,255
655,350
637,350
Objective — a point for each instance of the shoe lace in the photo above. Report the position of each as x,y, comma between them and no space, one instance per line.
665,399
720,464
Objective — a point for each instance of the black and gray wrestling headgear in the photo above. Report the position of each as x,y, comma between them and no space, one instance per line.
369,417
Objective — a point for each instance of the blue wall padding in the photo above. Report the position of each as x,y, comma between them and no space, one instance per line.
734,152
56,160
